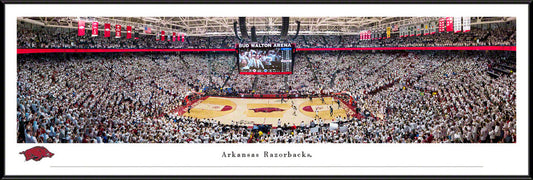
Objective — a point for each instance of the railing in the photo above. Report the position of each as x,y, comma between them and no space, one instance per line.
453,48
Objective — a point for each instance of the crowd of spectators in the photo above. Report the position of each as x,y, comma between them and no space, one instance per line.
414,97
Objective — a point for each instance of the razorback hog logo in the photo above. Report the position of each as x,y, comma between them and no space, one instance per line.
37,153
267,110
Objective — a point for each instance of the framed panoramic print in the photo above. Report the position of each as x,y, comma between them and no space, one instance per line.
292,90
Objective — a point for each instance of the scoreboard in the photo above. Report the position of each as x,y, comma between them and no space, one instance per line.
275,58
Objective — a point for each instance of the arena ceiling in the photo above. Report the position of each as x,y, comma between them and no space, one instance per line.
218,26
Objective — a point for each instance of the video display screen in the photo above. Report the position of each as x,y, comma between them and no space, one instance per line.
276,58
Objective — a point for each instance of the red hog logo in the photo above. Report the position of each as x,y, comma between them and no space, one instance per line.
37,153
267,110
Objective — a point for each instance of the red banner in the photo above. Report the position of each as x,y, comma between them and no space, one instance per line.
173,36
118,31
81,28
95,29
449,24
107,30
442,23
128,32
182,37
162,35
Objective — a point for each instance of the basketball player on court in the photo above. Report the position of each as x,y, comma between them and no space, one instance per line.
293,108
330,111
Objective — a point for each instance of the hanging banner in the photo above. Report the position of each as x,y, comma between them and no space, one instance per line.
466,24
442,23
400,32
128,32
388,32
413,31
157,36
449,24
118,31
432,27
94,28
182,37
147,30
162,35
81,28
457,24
107,30
173,36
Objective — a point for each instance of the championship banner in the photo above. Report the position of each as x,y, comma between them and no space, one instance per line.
466,24
426,29
173,36
395,28
433,28
412,32
81,28
388,32
449,24
162,35
128,32
94,29
418,30
401,32
442,22
117,31
107,30
183,38
168,37
457,24
157,37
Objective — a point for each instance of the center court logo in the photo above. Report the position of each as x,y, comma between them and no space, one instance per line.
267,109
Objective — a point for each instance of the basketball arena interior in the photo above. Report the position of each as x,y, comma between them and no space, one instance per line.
266,80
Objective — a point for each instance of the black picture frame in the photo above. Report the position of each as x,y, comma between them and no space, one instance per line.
4,2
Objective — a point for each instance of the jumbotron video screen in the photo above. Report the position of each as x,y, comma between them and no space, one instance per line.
275,58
